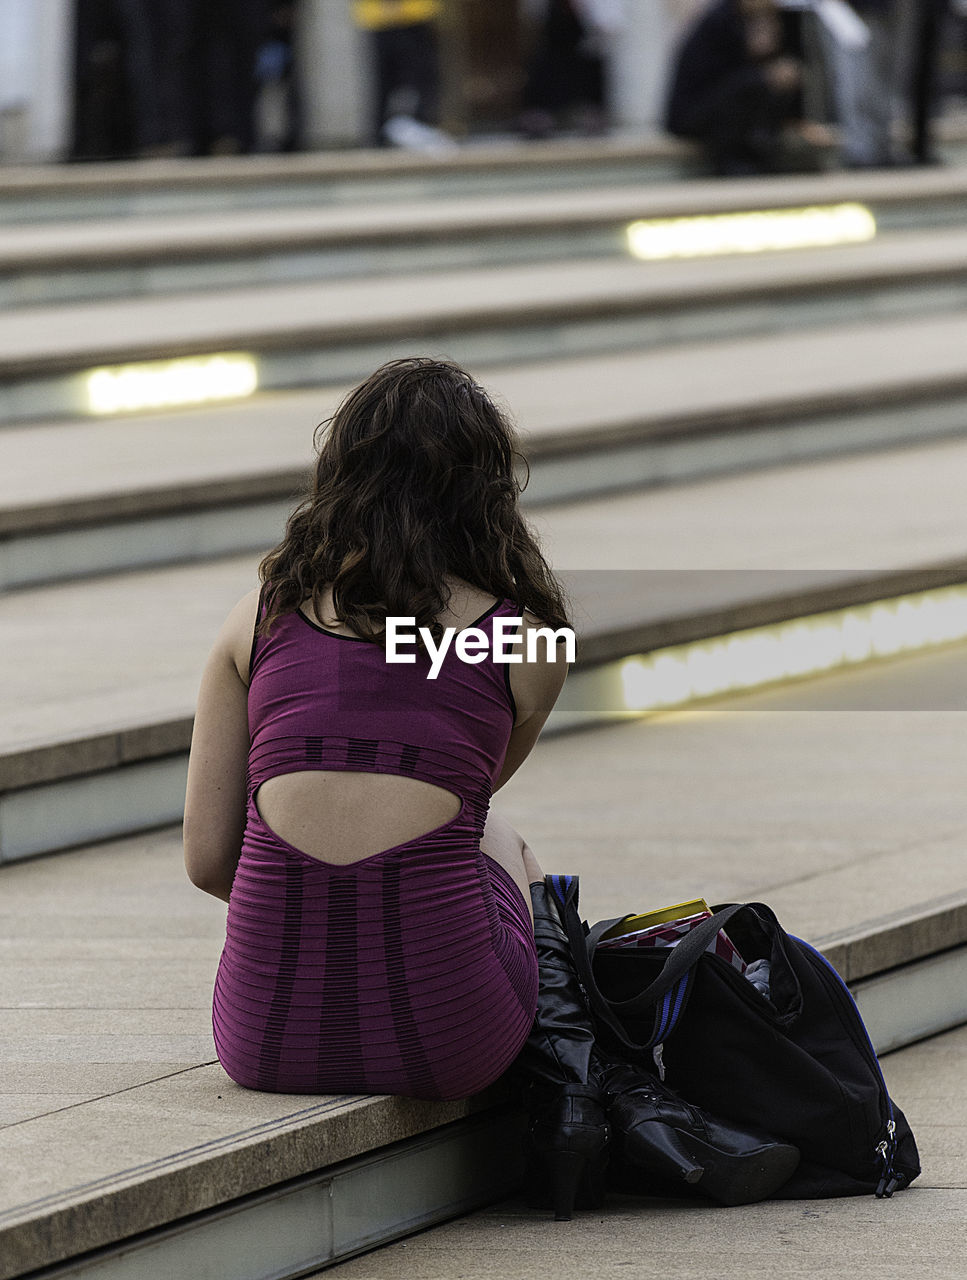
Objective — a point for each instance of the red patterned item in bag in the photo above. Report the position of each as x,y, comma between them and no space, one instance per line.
671,932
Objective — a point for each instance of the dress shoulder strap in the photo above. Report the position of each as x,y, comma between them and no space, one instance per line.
259,615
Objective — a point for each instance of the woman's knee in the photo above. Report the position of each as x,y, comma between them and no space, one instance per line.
499,834
504,843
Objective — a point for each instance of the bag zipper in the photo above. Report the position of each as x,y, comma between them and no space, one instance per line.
885,1149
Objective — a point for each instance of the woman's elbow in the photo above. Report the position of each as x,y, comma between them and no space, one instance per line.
219,886
203,877
210,874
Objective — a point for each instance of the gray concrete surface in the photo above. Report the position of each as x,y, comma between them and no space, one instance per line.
108,954
919,1233
114,1115
128,649
581,156
108,1080
857,513
297,246
232,231
752,801
583,402
46,339
328,166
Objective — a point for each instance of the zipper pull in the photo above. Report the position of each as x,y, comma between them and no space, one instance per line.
888,1182
658,1054
884,1189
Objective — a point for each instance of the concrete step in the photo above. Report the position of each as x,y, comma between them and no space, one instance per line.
146,188
99,702
842,1239
71,360
126,1154
43,263
90,496
162,187
107,754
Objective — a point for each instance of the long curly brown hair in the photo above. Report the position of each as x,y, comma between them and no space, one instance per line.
415,482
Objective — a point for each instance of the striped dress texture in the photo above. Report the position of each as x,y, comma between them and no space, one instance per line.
412,971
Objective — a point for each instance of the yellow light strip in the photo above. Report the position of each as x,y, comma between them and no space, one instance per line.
762,231
682,674
164,384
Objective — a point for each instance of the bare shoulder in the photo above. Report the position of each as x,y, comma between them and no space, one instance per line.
234,641
533,623
537,680
553,642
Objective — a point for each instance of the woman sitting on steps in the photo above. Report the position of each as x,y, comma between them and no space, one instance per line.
380,934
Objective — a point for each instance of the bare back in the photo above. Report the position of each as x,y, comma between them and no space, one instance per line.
341,817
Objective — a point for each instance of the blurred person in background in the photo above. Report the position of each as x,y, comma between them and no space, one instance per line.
278,107
566,75
166,77
736,88
928,43
207,79
404,42
886,86
117,111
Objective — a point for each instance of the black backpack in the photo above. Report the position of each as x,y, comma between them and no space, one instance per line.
798,1065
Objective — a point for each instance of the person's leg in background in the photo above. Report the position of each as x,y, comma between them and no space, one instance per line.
419,59
138,25
928,41
861,104
408,88
384,47
102,127
178,76
894,31
277,106
232,31
550,86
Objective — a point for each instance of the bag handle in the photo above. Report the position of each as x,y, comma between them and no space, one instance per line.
670,990
684,956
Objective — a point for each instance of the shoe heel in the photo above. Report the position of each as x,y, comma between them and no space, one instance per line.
658,1148
754,1176
565,1169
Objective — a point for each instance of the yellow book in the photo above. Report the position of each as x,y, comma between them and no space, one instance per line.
375,15
666,915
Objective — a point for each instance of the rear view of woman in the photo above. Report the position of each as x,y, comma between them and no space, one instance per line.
380,934
379,937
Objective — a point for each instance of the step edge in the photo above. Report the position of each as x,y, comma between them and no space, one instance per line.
42,762
90,1213
66,512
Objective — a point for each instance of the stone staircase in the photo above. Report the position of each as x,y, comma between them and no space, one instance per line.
715,444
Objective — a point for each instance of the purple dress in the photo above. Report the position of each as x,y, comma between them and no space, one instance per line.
412,971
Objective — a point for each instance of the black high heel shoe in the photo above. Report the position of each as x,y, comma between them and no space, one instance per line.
670,1140
567,1140
567,1149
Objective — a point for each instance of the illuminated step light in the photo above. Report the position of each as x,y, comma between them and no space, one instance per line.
655,239
760,656
164,384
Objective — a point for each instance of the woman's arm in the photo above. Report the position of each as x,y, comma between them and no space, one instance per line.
215,799
536,686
